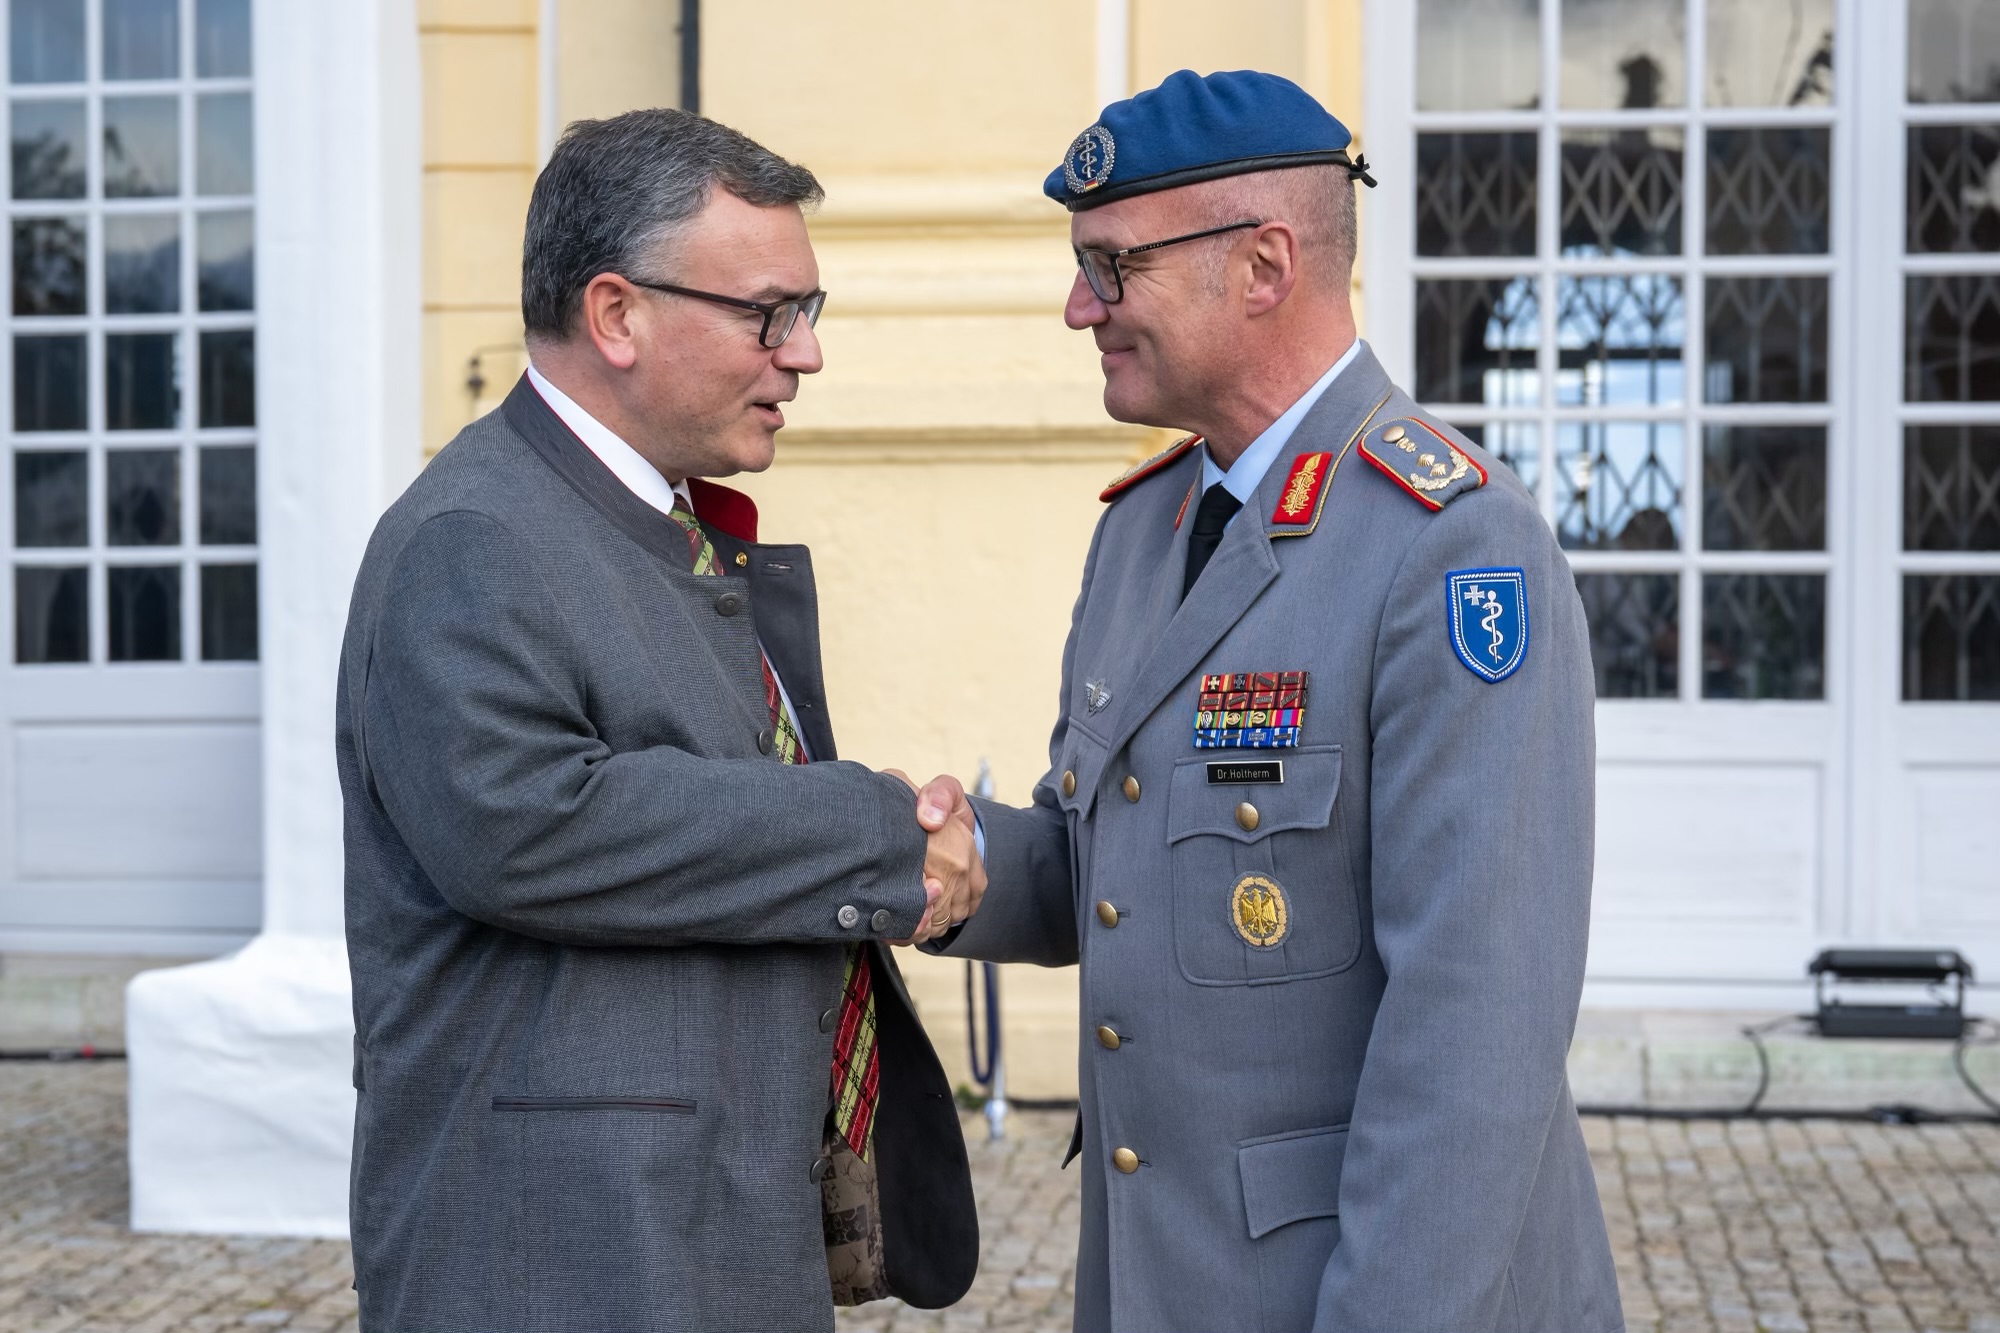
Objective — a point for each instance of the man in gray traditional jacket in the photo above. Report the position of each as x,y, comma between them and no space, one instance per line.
631,1055
1318,817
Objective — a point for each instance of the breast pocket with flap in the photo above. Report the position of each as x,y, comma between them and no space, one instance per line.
1262,889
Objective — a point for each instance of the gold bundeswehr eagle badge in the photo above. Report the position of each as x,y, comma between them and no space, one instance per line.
1257,910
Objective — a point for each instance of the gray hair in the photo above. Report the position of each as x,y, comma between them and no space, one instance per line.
1319,202
616,193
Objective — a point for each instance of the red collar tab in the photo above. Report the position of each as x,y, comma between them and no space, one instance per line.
1429,468
1157,463
1305,488
731,513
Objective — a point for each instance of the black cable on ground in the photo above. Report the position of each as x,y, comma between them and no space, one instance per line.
61,1054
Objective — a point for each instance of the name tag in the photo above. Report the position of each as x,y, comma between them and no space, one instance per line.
1230,774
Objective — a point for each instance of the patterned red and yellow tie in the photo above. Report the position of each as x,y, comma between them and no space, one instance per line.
856,1062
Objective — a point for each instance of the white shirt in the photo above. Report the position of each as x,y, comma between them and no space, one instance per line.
1250,466
640,477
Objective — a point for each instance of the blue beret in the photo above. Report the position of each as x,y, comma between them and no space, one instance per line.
1195,128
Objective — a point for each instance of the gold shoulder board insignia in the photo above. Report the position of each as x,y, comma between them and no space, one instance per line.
1158,462
1427,466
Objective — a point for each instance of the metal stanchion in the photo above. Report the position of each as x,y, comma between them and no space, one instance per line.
992,1071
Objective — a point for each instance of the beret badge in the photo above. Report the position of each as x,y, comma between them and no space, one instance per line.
1088,163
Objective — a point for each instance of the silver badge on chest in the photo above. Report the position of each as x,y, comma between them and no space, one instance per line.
1096,694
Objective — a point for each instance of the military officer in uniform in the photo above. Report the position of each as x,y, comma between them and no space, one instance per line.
1317,823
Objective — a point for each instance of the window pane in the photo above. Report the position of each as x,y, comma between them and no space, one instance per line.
48,382
1952,195
229,496
228,378
222,144
222,38
1478,55
1476,194
51,615
1765,54
1766,340
1951,332
1476,341
48,266
142,497
141,383
1763,636
1769,191
142,147
1763,488
142,264
45,41
143,608
1634,633
1954,51
1951,488
1518,444
1621,192
1620,340
1951,637
48,151
51,498
1619,485
1624,53
229,613
226,276
141,39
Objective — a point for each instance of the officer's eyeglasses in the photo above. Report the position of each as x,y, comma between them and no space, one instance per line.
1100,267
780,317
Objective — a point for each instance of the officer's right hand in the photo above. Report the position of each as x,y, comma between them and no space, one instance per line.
954,875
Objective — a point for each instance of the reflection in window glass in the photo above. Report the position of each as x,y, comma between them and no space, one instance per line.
229,613
45,41
1954,51
142,263
228,378
1629,54
1763,488
142,497
1769,191
226,274
142,147
1765,54
1621,192
223,163
47,145
142,605
51,614
1951,637
1763,636
51,498
1620,339
1476,194
1619,485
141,39
1635,640
1766,340
1476,341
1951,338
1951,488
1952,189
1478,55
1518,444
141,381
48,382
48,266
228,496
221,39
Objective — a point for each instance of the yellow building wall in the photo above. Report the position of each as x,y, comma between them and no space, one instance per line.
945,466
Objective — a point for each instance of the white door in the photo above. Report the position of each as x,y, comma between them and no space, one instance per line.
129,763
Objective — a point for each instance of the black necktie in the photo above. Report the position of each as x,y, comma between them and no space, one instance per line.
1217,507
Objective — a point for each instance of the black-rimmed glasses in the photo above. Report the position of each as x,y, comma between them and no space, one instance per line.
1100,267
780,317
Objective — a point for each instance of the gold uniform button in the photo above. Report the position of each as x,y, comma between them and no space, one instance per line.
1247,817
1394,435
741,560
1107,914
1069,783
1107,1038
1125,1160
1131,788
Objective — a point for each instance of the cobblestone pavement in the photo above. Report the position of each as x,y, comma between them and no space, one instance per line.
1769,1227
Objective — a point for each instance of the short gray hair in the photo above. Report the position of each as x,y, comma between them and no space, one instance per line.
1319,202
616,192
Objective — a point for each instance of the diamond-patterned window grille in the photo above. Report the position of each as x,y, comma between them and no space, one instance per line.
1518,444
1763,636
1766,340
1620,485
1952,195
1476,194
1951,637
1769,191
1620,338
1476,340
1621,192
1634,633
1763,488
1951,337
1951,488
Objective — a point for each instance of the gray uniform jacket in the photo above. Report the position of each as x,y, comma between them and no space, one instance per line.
596,930
1324,1019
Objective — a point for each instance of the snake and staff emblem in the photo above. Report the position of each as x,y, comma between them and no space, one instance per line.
1491,621
1488,620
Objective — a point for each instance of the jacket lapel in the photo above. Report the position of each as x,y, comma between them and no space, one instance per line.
784,606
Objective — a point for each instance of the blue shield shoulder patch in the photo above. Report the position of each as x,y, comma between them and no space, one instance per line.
1486,611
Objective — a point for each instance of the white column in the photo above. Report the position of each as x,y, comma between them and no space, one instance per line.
241,1105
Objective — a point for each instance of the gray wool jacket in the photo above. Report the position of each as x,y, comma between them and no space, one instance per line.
596,929
1327,988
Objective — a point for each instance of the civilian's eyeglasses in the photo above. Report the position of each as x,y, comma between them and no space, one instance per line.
780,317
1100,267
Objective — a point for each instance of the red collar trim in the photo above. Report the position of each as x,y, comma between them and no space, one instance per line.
729,512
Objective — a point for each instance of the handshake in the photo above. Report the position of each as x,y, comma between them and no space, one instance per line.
954,875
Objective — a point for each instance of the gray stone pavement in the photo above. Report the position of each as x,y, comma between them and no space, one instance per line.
1810,1226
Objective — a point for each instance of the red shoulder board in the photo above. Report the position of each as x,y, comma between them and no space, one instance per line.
1303,493
1157,463
1429,468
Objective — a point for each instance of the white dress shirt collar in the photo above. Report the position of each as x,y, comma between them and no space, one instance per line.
1250,466
626,463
